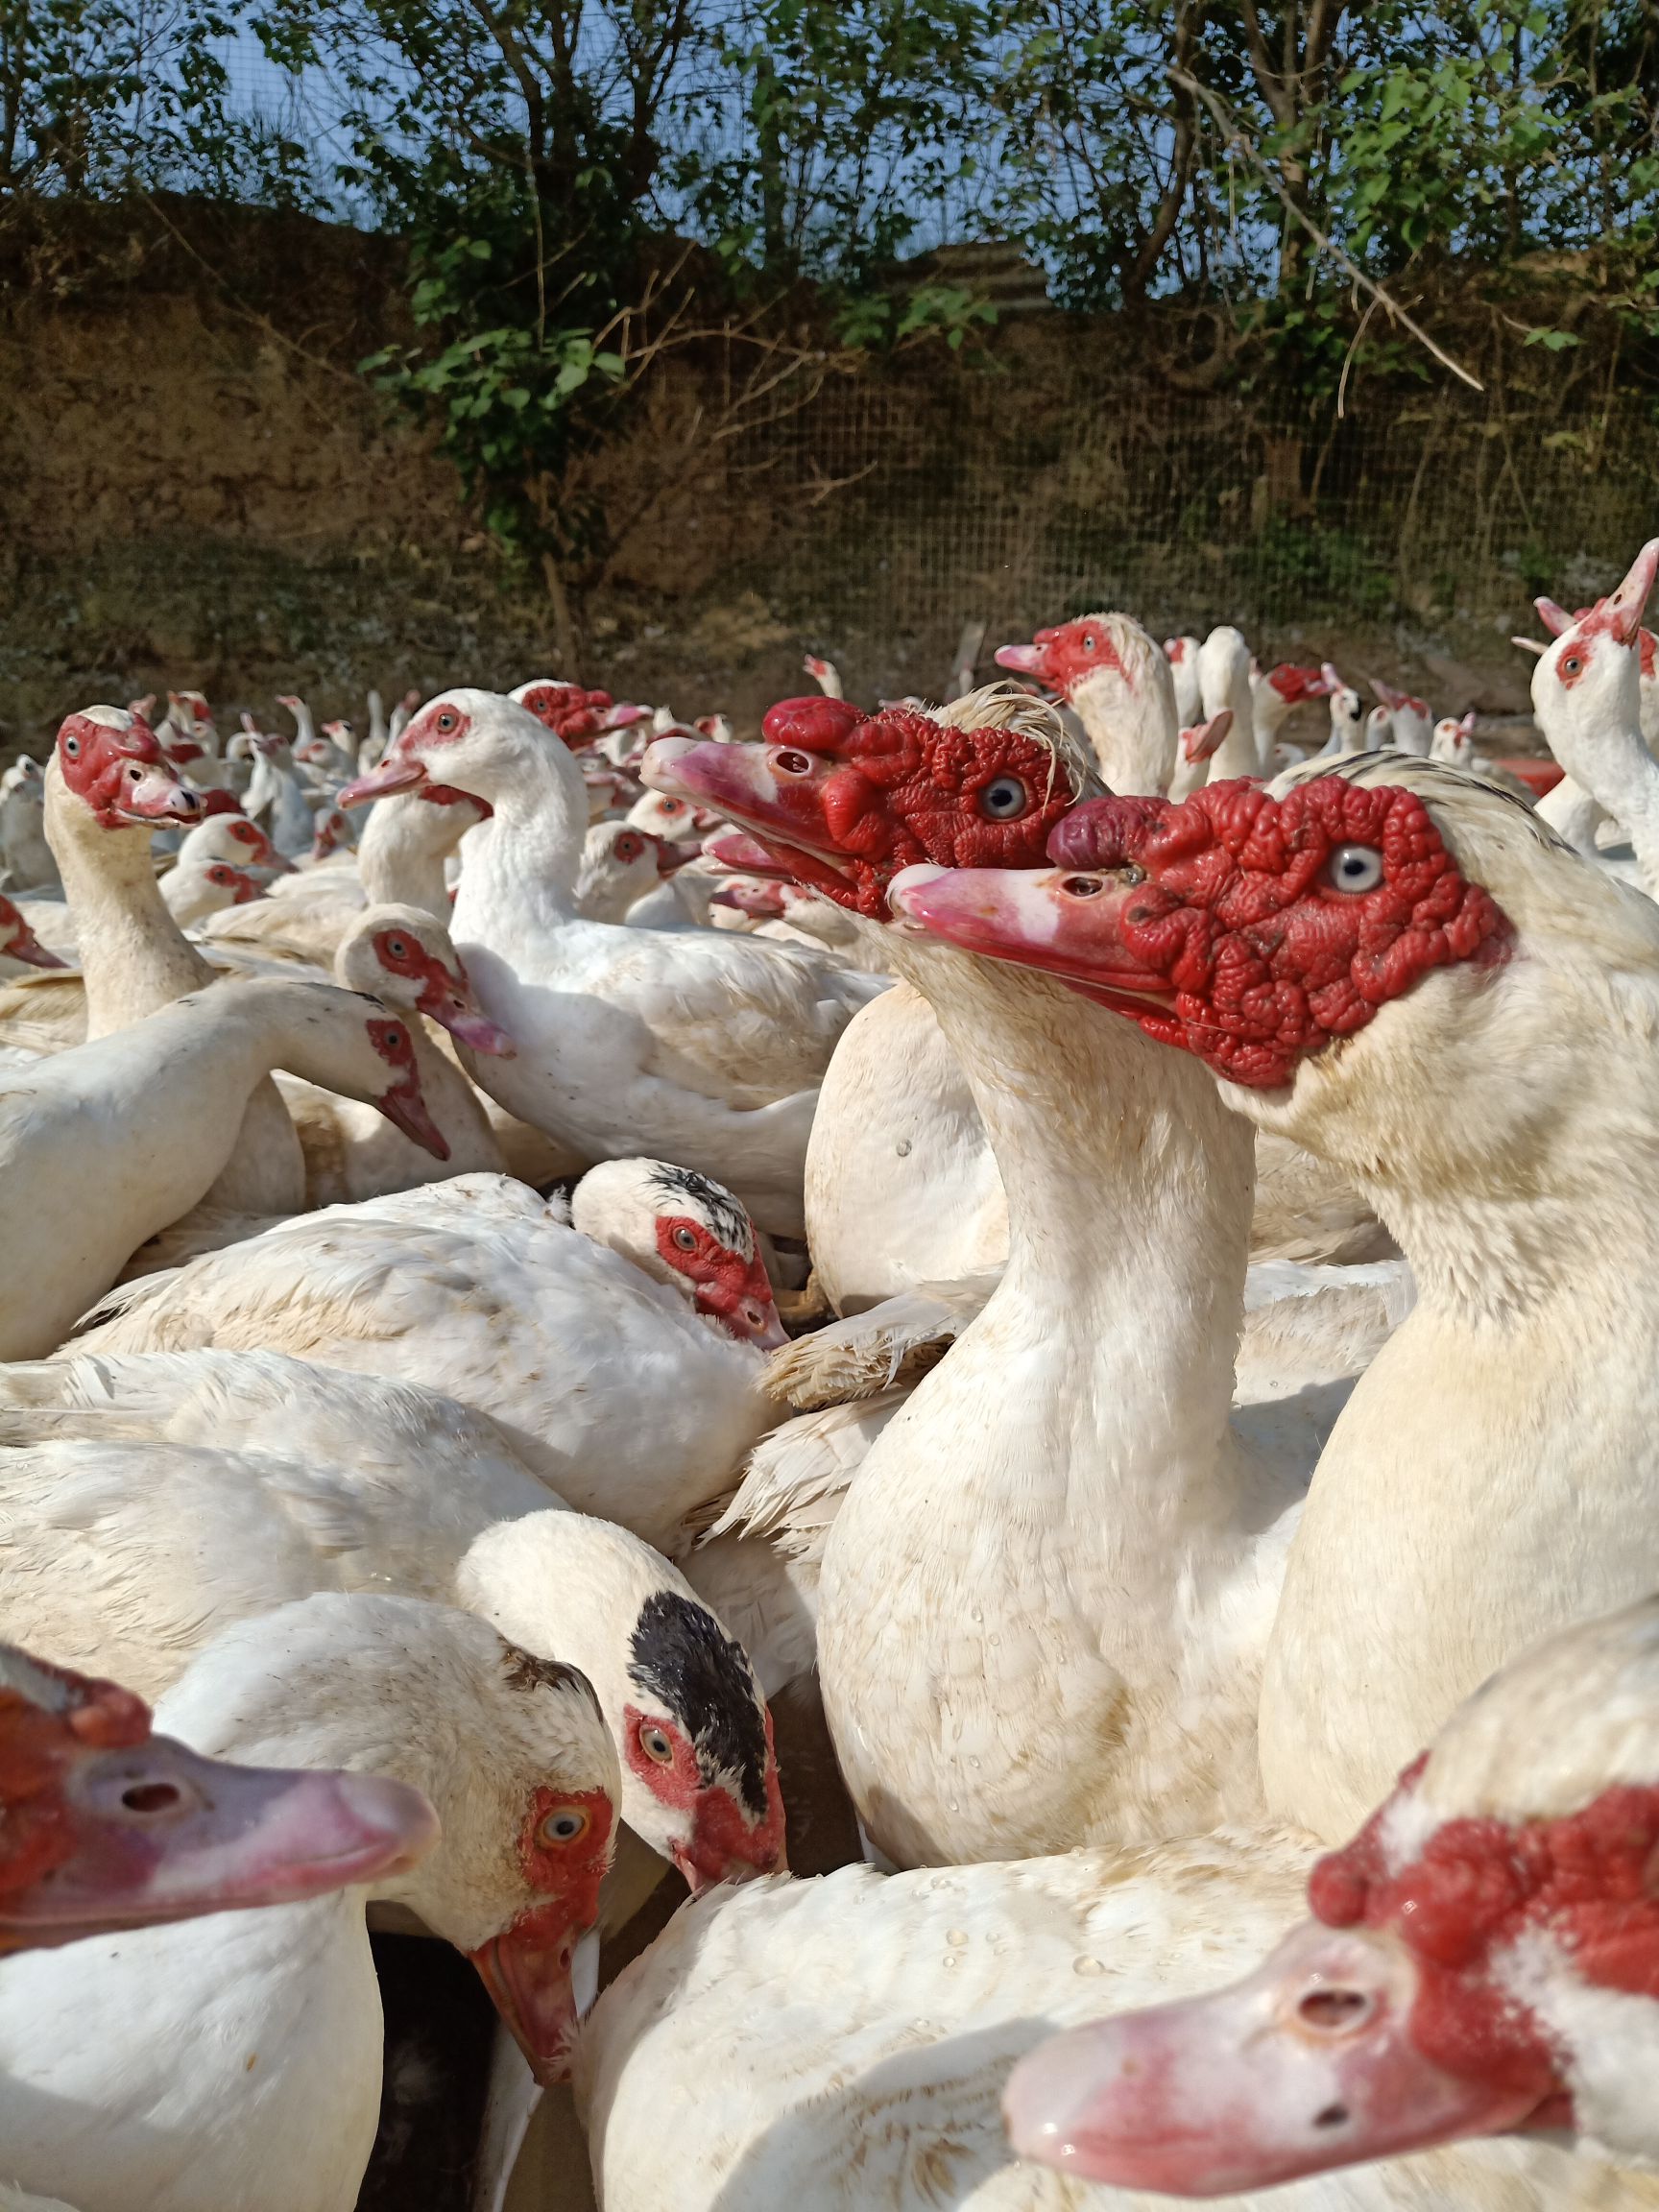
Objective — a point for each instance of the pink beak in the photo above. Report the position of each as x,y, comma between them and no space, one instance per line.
1205,738
448,997
155,796
1624,608
1025,659
405,1107
1555,617
526,1970
395,772
1307,2065
26,947
162,1833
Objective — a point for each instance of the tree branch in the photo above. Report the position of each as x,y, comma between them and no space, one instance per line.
1237,136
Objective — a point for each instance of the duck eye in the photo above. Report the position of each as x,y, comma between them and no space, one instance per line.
446,720
1082,886
673,806
72,746
686,1240
562,1826
654,1742
397,948
1572,664
1356,868
1088,640
1004,799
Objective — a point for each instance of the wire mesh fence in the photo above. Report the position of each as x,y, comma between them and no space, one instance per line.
1055,484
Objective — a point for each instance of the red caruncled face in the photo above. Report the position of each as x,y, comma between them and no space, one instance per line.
1280,923
568,710
897,788
1477,1886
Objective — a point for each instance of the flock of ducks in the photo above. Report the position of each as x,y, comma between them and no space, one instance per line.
1100,1255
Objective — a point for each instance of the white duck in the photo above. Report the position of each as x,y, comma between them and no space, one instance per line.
1181,655
1121,687
1482,1958
78,1192
845,2044
1410,720
106,787
194,889
156,1498
620,865
26,862
403,958
1100,1568
1224,681
1514,988
231,837
1587,696
706,1048
277,2103
612,1386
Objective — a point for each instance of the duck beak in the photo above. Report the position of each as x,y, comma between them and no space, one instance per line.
1307,2065
1023,660
155,796
27,947
448,999
1066,922
528,1971
162,1833
395,772
405,1107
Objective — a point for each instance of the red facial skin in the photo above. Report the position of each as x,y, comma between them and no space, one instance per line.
400,769
859,797
122,774
103,1826
243,887
724,1844
526,1968
1403,2029
1263,957
1398,701
403,1104
445,994
1480,1885
734,1290
20,941
257,849
1064,657
1294,684
575,715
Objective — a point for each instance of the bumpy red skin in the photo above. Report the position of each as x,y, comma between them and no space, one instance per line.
897,789
576,715
1267,960
1586,1881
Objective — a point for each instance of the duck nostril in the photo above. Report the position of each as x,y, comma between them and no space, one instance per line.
1332,2116
1333,2010
150,1797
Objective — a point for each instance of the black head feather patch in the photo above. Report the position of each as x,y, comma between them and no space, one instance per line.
681,1655
728,1220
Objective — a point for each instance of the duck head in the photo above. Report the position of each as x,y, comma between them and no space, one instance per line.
107,1826
113,761
840,800
1482,1958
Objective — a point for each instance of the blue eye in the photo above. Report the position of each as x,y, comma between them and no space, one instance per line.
1004,799
1356,868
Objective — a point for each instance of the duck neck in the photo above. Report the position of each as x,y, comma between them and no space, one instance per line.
523,863
134,955
1619,773
1129,1190
405,845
